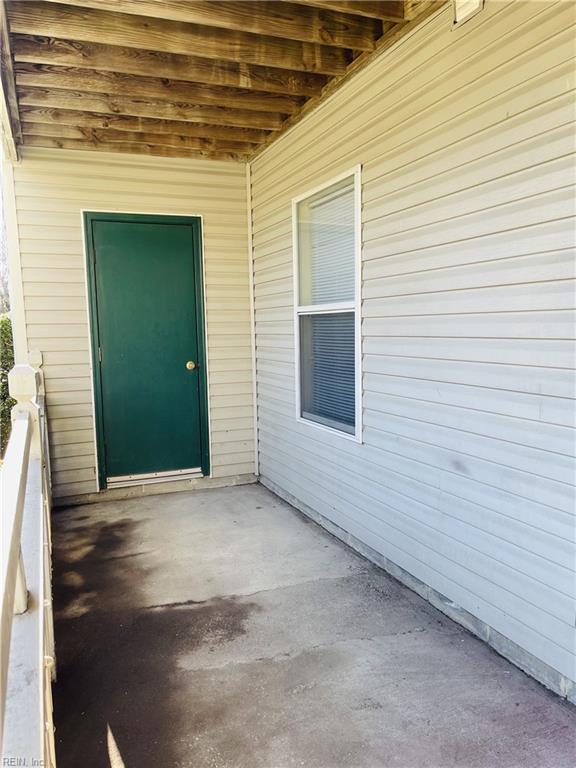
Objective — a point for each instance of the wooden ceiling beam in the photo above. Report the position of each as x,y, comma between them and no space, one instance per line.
107,136
130,148
267,17
173,66
385,10
85,24
100,103
154,88
61,119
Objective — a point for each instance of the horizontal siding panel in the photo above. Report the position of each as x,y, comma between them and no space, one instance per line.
233,415
530,211
37,303
558,324
505,452
60,332
71,437
551,381
224,460
230,470
69,424
73,489
72,450
31,232
226,428
236,437
552,410
542,178
544,296
556,265
58,317
69,409
68,385
69,398
550,353
62,465
61,357
465,476
547,437
66,371
54,289
542,238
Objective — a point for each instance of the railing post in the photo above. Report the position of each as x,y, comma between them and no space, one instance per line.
24,383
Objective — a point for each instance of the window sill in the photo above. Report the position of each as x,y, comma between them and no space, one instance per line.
354,438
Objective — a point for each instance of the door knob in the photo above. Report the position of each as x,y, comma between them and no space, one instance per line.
190,365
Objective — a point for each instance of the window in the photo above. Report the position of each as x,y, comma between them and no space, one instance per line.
326,227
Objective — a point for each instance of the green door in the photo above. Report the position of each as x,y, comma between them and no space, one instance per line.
147,329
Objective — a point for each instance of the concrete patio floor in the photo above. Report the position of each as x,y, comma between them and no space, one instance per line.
222,629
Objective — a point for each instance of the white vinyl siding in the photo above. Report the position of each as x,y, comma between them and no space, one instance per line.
52,187
465,477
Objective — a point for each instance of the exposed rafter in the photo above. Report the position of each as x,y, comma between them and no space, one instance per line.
287,21
193,113
153,88
132,61
386,10
47,116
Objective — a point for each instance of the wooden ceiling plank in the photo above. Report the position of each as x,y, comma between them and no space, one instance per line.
173,66
385,10
131,148
63,118
100,103
156,89
86,24
113,136
267,17
10,116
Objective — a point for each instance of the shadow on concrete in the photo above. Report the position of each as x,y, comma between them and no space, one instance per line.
117,670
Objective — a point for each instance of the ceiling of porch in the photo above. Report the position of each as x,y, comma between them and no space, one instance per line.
183,78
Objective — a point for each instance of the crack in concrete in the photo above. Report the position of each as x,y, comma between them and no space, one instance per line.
282,656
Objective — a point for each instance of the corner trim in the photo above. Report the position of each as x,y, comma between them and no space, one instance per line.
252,314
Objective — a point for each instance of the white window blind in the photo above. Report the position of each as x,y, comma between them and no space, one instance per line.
326,327
327,369
326,246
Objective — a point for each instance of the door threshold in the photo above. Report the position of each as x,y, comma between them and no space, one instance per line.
124,481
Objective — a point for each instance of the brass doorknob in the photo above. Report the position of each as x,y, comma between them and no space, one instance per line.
190,365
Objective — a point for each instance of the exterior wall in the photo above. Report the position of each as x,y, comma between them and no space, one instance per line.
51,188
465,476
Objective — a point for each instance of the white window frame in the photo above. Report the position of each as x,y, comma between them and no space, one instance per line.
323,309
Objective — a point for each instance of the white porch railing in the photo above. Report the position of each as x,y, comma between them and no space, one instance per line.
27,640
